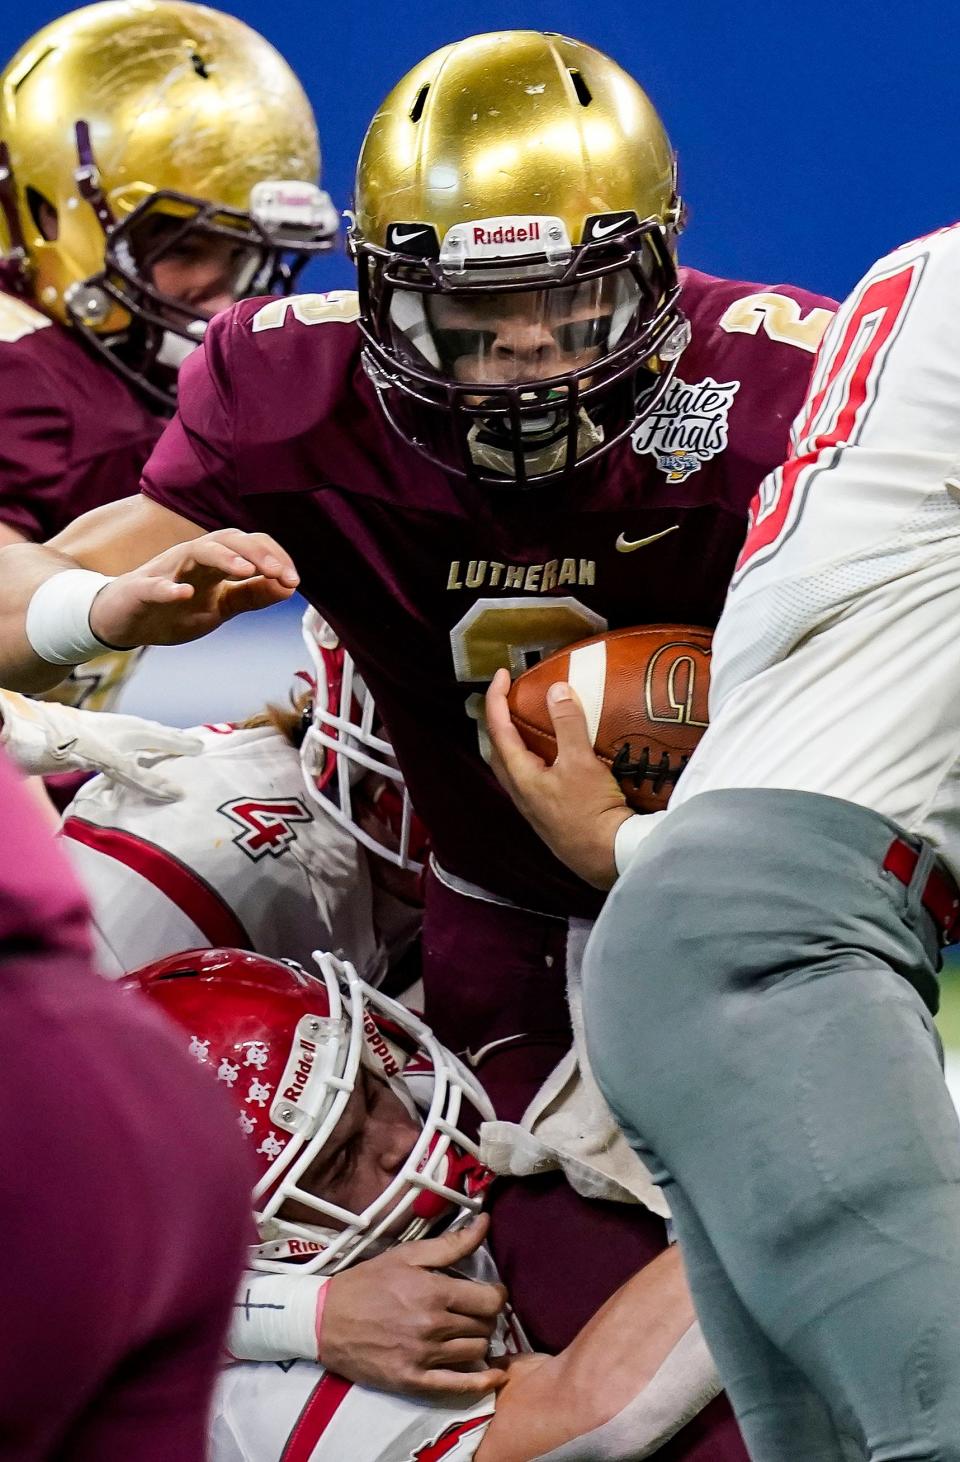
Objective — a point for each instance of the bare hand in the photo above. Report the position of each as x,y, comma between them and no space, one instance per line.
395,1323
576,805
191,589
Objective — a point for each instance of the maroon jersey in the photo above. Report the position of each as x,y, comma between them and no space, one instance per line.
125,1189
72,434
433,582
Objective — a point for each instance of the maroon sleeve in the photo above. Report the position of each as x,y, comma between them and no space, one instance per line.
34,444
41,905
126,1190
191,470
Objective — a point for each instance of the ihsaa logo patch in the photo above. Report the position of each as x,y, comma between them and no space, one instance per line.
688,427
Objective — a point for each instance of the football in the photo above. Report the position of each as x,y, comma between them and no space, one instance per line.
644,691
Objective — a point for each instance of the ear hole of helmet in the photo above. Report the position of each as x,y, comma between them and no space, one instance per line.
44,215
416,111
584,96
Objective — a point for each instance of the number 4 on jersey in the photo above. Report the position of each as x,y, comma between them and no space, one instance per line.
267,825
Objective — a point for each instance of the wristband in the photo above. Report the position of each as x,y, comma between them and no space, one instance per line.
630,834
58,617
277,1317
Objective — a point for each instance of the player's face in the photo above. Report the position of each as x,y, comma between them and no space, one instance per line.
505,338
364,1153
201,271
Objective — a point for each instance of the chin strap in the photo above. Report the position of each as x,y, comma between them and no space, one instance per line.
686,1381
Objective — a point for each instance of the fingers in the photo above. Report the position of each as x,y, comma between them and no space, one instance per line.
256,593
458,1354
262,552
448,1248
210,559
158,590
466,1327
461,1383
149,738
569,723
511,760
474,1297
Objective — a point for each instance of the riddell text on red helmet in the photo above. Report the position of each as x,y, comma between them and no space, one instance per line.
301,1073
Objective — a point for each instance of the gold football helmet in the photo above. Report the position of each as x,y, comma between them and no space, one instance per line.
515,225
129,130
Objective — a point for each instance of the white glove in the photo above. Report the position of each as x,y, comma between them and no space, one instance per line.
43,737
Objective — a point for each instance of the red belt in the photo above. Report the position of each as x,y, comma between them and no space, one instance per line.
940,896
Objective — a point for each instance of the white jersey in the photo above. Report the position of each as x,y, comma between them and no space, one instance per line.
298,1412
836,664
245,858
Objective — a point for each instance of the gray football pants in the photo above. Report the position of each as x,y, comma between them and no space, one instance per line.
753,1018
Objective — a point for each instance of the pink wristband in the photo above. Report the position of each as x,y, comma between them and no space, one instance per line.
318,1316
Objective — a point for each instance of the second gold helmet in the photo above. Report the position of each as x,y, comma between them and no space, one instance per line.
127,111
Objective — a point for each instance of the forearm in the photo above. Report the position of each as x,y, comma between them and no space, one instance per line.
609,1365
113,540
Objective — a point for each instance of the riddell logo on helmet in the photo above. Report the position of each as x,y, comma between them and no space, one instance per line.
378,1045
304,1246
504,237
506,234
303,1058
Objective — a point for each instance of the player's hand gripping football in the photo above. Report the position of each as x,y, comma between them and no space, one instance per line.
576,804
192,588
399,1323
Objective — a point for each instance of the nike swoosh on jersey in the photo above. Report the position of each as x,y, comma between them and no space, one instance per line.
399,238
627,545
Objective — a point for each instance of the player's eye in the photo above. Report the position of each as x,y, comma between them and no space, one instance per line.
453,345
578,336
344,1161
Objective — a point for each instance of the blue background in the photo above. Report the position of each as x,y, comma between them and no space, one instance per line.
812,136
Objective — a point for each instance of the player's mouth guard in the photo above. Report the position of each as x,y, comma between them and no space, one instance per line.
684,1384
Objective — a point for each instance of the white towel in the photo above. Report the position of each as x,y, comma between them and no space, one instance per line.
568,1125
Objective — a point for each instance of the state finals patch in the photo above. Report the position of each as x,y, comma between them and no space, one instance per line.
688,427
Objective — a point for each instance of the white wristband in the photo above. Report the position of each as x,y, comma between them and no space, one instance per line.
630,834
275,1317
58,617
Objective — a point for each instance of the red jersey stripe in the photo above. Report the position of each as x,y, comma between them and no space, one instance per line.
184,887
323,1401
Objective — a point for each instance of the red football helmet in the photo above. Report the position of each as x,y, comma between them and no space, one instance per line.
290,1046
347,759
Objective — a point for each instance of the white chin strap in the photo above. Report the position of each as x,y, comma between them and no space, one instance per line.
544,459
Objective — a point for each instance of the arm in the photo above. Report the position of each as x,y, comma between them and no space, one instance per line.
44,738
636,1373
173,582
